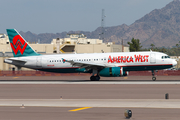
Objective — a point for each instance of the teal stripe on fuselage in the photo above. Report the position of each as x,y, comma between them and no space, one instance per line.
144,68
64,70
60,70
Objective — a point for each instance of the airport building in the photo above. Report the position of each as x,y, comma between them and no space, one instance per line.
73,43
80,44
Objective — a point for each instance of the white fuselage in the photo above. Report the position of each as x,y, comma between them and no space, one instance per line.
130,61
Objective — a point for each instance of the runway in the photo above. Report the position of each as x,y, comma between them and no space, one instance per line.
87,78
61,113
88,91
111,103
107,99
90,82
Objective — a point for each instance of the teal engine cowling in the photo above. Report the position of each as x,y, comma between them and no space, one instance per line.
113,72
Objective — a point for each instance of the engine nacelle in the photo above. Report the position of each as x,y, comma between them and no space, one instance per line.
113,72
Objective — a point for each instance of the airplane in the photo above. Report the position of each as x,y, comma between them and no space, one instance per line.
99,64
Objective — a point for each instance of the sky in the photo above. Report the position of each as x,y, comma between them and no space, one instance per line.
55,16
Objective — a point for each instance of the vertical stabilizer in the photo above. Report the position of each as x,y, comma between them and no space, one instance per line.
19,45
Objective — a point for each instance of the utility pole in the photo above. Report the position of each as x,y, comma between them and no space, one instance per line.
102,34
122,46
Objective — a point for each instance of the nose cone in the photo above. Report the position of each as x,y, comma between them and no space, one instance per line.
174,62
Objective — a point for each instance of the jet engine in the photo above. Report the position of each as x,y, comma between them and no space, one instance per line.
113,72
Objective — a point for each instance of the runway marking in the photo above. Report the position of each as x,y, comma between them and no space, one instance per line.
83,108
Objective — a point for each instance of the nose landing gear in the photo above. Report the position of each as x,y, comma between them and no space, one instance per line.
153,78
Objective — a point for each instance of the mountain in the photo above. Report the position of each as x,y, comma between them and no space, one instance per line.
160,27
44,37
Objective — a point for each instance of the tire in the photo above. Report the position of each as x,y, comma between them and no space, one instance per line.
94,78
97,78
154,78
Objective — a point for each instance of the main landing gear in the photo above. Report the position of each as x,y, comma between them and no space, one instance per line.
95,76
153,78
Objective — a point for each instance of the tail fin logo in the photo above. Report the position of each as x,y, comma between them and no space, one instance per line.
18,43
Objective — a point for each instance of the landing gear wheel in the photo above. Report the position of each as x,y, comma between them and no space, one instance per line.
95,78
92,78
154,78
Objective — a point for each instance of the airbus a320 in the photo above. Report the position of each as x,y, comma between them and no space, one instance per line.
99,64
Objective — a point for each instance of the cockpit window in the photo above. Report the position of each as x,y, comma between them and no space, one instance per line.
165,57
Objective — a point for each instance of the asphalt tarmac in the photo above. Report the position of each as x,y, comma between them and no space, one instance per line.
87,78
21,100
89,91
63,113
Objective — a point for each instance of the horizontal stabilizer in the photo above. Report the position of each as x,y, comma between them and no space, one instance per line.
10,60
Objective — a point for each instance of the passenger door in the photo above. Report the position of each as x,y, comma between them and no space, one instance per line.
153,58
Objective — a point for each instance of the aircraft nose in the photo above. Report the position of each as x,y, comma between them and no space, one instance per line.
174,62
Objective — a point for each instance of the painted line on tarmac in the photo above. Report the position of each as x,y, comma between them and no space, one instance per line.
78,109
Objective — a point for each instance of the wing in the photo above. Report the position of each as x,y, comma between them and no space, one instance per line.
88,65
